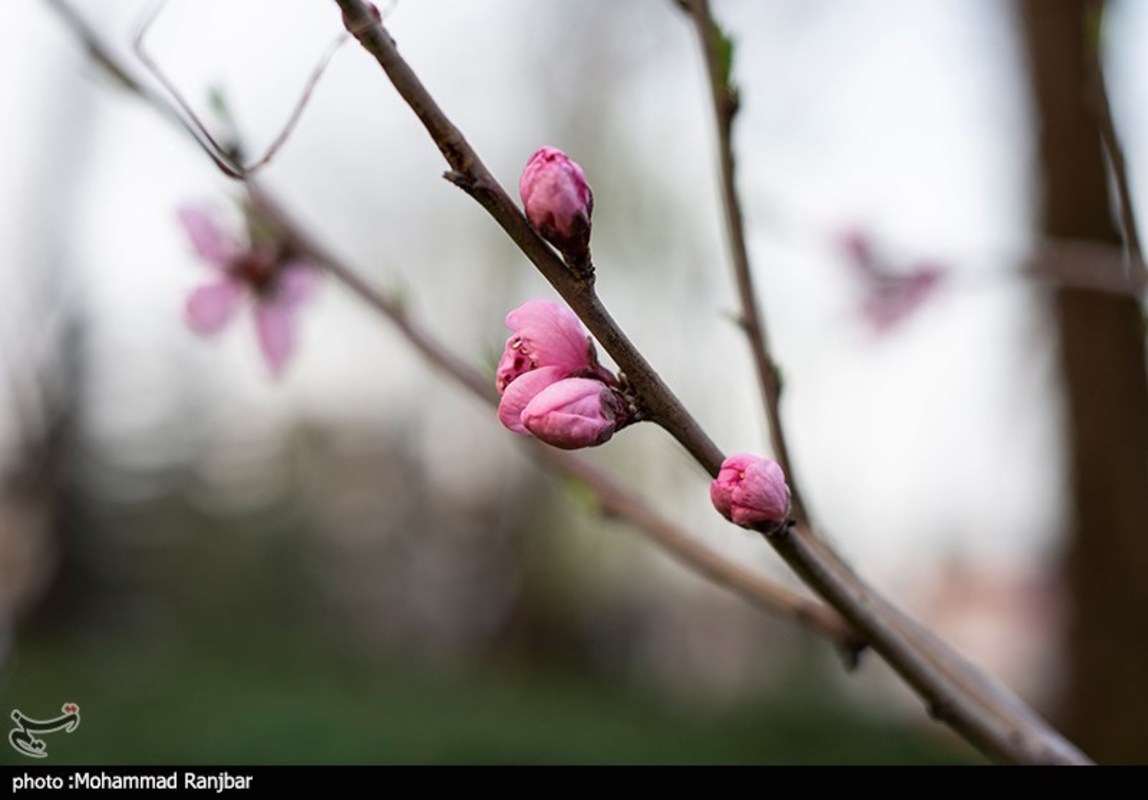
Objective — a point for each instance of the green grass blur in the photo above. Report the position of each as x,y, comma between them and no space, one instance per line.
289,704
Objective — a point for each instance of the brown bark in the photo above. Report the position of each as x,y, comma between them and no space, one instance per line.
1106,390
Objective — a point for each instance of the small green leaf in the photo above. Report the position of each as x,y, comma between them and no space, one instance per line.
735,318
778,375
581,494
489,361
217,101
1094,27
399,294
724,45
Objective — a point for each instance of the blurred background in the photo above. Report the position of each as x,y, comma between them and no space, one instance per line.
358,564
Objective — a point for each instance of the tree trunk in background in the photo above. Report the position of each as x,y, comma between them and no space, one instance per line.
1103,362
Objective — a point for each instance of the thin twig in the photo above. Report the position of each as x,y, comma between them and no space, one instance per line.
725,106
1087,264
1119,166
224,158
987,722
612,497
1099,104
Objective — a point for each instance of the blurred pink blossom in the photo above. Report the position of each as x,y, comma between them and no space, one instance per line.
750,490
276,285
892,301
889,297
558,201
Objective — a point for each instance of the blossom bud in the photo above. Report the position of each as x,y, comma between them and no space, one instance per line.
372,9
558,202
573,413
750,490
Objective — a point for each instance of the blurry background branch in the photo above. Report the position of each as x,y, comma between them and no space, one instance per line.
227,161
918,656
1098,101
1106,388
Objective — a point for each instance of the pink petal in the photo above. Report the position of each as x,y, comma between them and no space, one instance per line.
551,335
855,244
296,283
521,391
209,240
275,316
893,302
275,326
572,413
212,306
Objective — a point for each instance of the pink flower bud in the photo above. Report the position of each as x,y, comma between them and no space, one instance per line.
558,201
750,490
546,334
573,413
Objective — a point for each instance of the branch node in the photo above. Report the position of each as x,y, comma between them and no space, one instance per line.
851,649
778,533
732,102
940,710
460,179
581,267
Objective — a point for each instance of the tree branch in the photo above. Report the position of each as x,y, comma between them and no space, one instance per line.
989,722
725,106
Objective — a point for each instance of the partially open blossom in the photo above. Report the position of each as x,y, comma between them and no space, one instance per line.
750,490
275,284
573,413
551,383
558,201
545,334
